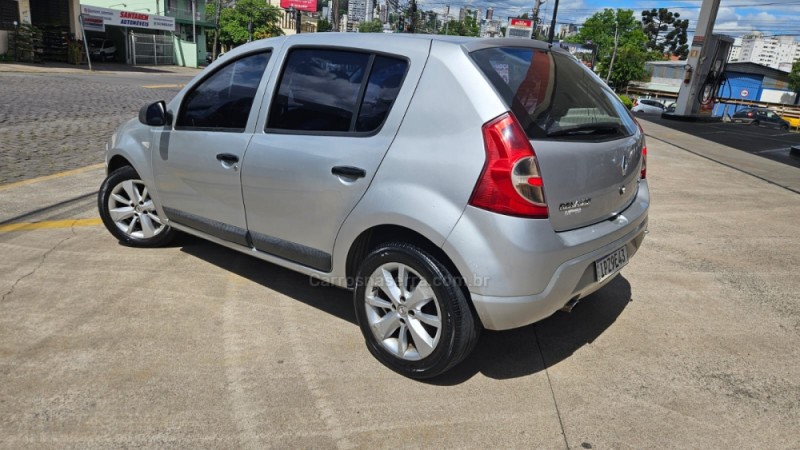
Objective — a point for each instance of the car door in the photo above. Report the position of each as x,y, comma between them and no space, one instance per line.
330,119
197,167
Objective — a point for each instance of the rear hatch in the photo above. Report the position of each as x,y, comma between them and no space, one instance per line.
588,146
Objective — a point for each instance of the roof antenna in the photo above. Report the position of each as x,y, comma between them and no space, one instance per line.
552,30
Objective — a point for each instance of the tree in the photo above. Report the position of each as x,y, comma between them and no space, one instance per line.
373,26
629,53
236,22
324,25
656,21
468,27
794,76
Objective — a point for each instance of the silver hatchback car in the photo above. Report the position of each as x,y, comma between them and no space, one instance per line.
453,184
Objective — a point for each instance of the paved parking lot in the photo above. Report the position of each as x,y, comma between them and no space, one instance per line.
765,142
696,345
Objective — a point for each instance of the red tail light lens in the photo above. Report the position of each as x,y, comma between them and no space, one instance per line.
511,182
644,161
643,174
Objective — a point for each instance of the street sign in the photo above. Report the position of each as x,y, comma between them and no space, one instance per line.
93,23
131,19
522,28
744,93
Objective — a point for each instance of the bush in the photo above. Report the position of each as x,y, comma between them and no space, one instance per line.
626,101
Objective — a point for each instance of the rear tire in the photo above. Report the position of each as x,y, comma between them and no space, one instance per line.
414,317
129,212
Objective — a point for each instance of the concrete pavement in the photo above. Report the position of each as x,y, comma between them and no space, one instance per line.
193,345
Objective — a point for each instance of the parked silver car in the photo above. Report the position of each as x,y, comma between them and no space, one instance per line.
647,106
452,183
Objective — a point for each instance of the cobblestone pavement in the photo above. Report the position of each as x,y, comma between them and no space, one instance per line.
50,122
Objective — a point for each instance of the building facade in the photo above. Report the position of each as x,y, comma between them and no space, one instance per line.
777,52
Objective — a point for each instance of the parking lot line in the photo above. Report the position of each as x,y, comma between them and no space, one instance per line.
51,177
50,224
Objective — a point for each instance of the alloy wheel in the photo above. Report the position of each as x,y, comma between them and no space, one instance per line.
403,311
133,211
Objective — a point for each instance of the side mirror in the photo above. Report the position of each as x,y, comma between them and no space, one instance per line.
154,114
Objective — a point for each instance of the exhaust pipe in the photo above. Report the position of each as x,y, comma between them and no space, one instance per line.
570,304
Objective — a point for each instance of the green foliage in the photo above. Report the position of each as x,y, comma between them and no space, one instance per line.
373,26
794,77
631,45
626,101
235,21
323,25
674,42
469,27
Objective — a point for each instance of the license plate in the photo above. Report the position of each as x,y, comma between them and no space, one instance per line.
610,264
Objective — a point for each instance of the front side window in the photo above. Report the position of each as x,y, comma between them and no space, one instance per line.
335,91
222,102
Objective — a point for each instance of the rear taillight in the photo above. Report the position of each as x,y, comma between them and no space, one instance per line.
511,182
644,160
643,174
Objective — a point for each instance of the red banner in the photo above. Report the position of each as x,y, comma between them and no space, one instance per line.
518,22
302,5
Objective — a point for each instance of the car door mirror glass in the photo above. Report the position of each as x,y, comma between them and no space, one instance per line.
154,114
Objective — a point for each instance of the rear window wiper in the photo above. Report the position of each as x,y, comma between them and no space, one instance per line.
587,129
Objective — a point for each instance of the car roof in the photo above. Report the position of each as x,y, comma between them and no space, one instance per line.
390,39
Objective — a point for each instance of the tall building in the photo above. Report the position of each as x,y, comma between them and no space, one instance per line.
489,13
356,10
777,52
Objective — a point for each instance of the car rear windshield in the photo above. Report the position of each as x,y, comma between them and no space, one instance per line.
553,95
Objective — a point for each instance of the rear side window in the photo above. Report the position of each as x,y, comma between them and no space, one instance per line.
335,91
553,95
222,101
385,80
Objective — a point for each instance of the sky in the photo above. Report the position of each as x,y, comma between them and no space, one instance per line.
735,17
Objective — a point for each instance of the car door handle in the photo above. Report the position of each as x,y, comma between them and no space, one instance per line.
227,158
349,172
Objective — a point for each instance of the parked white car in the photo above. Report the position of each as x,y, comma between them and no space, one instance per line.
647,106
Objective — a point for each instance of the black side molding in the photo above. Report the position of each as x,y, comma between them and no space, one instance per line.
292,251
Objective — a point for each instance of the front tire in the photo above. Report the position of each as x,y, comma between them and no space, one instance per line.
414,317
128,211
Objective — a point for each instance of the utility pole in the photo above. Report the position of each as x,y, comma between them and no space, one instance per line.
447,20
614,53
413,26
335,15
553,24
216,32
536,6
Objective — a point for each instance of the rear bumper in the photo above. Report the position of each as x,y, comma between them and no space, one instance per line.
520,271
573,280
